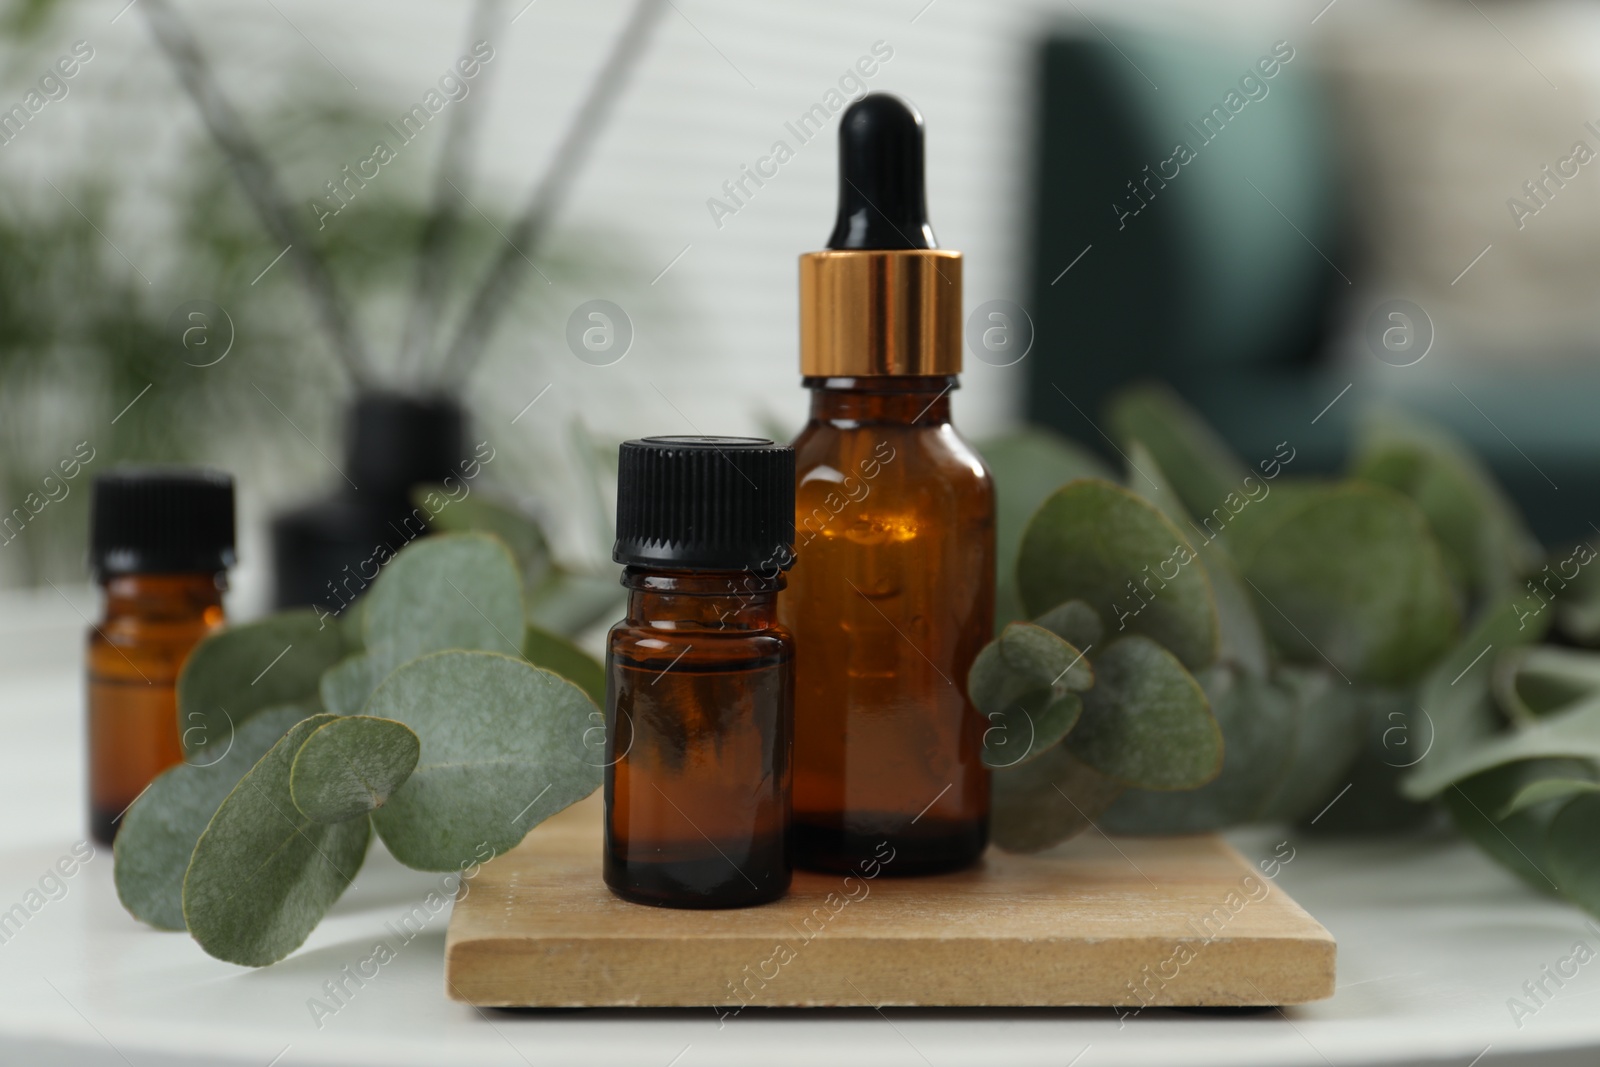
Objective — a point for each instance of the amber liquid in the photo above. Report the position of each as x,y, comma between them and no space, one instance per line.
699,697
151,623
890,600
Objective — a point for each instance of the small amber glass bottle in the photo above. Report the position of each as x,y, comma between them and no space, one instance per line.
699,683
161,543
892,595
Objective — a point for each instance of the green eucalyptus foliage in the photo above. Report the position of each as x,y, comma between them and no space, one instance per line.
1202,468
1026,684
556,654
1074,622
1485,544
238,671
264,873
1574,861
1146,721
458,591
1350,575
1519,840
349,767
345,687
1097,542
1240,637
1257,719
1366,798
1577,611
1546,789
1329,722
1036,463
559,600
466,745
477,511
502,750
159,832
1360,648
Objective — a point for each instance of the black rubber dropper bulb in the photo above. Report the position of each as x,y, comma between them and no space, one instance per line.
882,203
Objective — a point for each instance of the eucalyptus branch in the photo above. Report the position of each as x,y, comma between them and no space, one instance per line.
443,224
494,293
259,181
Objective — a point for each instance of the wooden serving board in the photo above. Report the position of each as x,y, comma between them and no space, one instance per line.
1131,922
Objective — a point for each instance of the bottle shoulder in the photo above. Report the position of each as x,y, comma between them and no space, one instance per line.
894,453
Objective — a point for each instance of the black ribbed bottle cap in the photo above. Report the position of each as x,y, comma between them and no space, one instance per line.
161,520
719,503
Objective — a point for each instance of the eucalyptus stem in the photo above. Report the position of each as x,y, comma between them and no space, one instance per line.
259,181
495,291
443,224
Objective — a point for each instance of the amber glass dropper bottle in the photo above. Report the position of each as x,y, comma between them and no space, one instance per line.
161,542
699,676
892,594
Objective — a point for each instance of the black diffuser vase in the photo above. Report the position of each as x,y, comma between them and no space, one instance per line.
326,552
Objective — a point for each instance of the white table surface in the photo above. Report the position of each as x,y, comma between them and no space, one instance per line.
1433,940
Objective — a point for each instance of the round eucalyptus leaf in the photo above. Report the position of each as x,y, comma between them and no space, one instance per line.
238,670
503,748
1028,727
1022,683
1353,576
158,833
1146,722
1097,542
1025,659
351,766
1045,801
1259,721
1484,542
263,875
445,591
1043,658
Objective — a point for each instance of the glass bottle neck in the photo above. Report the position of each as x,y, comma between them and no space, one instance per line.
701,600
165,597
902,401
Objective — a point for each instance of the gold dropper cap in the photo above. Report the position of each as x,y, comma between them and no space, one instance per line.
883,299
872,311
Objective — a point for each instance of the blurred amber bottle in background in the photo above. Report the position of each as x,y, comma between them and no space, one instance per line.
892,593
160,545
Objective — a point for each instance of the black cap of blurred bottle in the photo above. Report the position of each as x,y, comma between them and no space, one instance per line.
713,503
398,440
161,520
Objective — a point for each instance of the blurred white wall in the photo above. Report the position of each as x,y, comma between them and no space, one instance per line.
715,347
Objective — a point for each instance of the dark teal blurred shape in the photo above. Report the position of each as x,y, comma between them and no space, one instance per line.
1221,284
